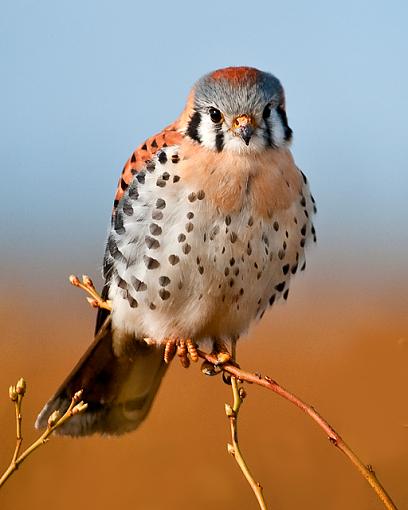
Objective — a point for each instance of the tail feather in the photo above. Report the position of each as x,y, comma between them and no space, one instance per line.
119,390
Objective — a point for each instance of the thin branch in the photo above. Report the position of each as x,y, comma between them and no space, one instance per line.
266,382
234,449
16,394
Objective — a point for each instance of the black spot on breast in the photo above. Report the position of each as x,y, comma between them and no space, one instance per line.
152,243
165,176
200,194
132,301
150,166
285,294
154,144
232,261
250,221
233,237
192,197
162,157
228,219
138,285
173,259
164,281
150,262
141,176
201,269
161,183
272,299
157,215
181,238
276,226
189,226
164,294
123,184
226,271
190,215
303,230
303,201
160,203
121,283
186,248
155,229
285,269
176,178
175,158
280,286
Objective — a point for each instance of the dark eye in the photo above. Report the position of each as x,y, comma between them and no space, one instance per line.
215,115
267,111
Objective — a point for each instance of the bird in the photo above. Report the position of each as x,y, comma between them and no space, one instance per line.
210,221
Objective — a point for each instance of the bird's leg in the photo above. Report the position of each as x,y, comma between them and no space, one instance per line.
184,348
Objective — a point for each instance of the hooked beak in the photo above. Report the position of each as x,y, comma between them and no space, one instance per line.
244,126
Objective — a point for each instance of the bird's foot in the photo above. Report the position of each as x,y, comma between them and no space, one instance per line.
223,356
185,349
95,300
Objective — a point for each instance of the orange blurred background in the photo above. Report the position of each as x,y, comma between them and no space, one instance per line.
342,349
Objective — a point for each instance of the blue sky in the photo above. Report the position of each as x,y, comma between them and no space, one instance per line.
84,82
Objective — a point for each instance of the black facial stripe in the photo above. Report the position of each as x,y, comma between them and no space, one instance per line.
219,140
192,128
282,115
268,134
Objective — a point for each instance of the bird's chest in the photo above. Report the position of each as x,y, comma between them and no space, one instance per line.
186,265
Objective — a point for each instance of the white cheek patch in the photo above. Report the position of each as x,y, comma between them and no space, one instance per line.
207,132
276,127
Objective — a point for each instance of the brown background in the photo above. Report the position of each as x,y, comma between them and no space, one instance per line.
340,343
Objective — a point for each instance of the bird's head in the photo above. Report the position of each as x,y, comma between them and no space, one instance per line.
239,109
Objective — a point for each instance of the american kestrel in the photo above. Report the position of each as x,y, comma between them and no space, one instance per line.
210,222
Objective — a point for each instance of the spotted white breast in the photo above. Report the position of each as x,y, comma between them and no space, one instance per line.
179,266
